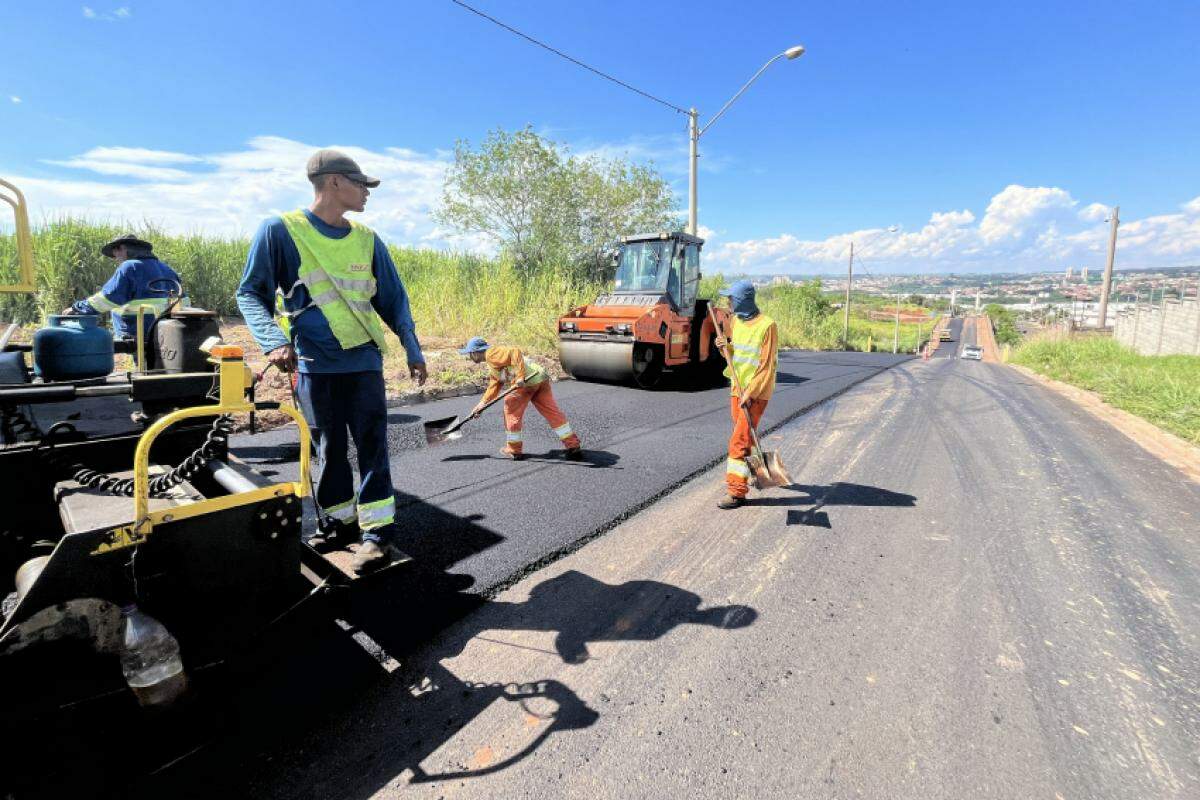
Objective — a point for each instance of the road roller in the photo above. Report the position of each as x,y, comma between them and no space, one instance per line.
651,323
141,563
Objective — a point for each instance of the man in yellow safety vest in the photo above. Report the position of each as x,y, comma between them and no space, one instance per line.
332,279
754,341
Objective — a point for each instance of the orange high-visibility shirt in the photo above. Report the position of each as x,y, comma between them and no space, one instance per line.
508,364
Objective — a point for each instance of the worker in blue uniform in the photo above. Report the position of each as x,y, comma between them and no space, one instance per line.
140,280
332,280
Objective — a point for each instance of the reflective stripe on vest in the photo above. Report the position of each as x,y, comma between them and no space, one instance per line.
746,343
337,274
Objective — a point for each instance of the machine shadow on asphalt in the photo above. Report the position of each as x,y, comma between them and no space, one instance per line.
378,726
592,459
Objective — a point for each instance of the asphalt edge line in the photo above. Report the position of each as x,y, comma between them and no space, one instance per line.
1163,445
521,574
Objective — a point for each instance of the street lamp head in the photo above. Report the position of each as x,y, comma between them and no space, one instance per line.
794,52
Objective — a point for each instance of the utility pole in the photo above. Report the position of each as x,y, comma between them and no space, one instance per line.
846,315
693,155
1108,267
896,334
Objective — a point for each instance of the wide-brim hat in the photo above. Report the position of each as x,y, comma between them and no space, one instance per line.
125,240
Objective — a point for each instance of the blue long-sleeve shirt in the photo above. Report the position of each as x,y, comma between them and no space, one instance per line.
274,262
131,281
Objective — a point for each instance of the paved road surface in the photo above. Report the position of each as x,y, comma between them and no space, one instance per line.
466,508
976,591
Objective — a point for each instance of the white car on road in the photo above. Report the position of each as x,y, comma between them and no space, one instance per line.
972,352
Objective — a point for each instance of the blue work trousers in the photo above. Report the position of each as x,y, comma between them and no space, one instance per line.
354,403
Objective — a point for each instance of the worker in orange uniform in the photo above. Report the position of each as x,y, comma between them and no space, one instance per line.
754,341
508,365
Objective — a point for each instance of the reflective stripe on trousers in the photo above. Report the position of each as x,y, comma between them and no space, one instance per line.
737,471
377,514
542,397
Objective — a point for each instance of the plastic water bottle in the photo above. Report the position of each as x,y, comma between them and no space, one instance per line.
150,660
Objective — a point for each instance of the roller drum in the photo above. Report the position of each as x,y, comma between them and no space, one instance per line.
604,361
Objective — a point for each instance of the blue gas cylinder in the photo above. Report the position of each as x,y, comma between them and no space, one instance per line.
72,347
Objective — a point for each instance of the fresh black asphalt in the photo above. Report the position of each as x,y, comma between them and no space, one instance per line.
465,509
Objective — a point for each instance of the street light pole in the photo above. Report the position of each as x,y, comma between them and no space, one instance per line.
695,131
693,155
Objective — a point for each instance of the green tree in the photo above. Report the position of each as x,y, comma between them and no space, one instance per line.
546,208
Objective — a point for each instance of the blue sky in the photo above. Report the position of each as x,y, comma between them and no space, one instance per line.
991,135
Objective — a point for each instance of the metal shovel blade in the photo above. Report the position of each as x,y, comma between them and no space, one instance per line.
439,431
768,470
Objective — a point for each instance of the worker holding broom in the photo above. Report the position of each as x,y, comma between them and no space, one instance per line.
331,280
755,353
508,365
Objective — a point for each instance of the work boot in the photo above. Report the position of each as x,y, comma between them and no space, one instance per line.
575,453
731,501
334,535
372,555
513,456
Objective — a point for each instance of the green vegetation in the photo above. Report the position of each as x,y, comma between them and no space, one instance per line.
452,295
547,209
1005,323
1164,390
808,319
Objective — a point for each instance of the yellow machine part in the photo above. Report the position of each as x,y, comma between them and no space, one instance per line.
26,279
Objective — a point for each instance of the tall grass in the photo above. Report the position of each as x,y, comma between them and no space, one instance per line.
1164,390
452,295
807,319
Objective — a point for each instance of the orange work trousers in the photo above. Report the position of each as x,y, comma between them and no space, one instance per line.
737,471
543,400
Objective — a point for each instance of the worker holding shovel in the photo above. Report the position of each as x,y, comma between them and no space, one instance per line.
752,350
530,384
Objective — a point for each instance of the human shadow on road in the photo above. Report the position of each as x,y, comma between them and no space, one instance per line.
410,721
579,610
593,459
853,494
835,494
787,377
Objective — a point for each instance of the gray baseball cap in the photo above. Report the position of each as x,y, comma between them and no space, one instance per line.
335,162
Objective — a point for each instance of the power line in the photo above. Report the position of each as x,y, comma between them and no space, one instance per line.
575,61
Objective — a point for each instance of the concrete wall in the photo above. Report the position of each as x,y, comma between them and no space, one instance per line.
1163,328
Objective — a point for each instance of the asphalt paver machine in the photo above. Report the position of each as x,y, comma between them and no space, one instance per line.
119,491
651,323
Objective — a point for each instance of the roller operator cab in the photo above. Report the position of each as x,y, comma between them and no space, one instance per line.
652,321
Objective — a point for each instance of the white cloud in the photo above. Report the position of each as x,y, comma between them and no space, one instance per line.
124,12
1018,212
14,99
229,193
1023,229
139,155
